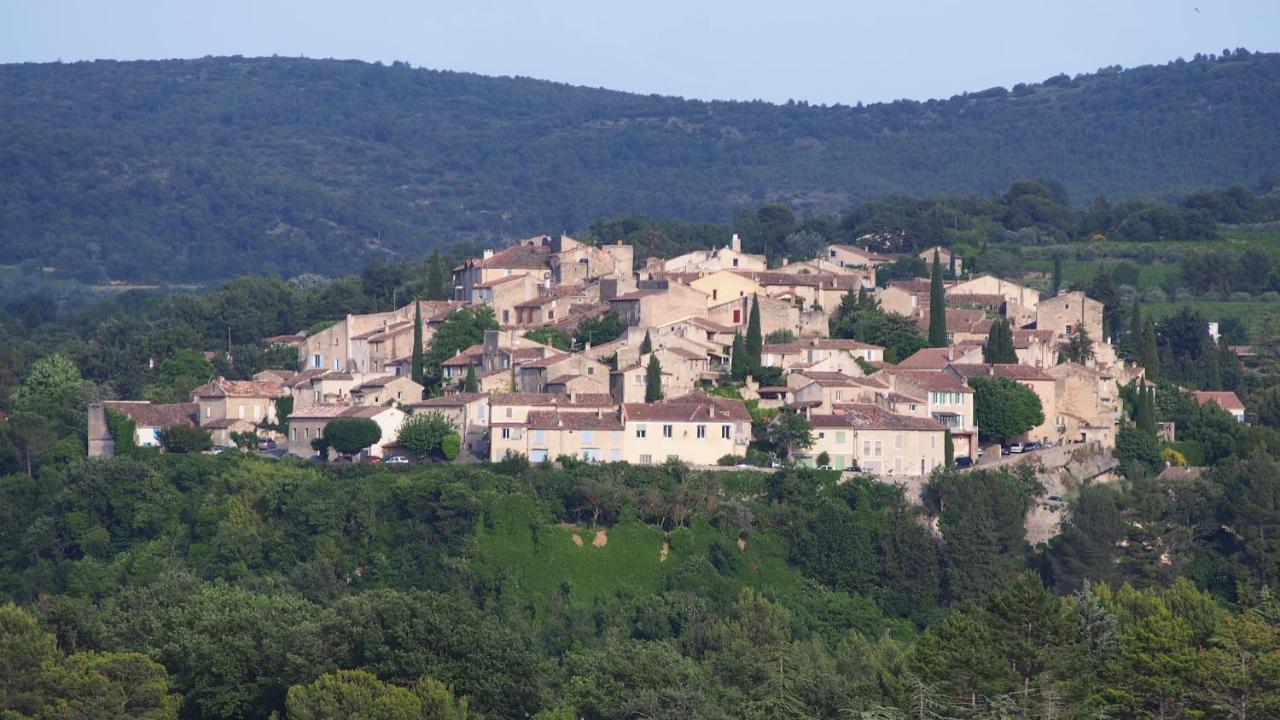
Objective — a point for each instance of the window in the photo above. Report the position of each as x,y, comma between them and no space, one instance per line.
317,360
508,412
506,433
586,436
866,448
639,380
480,412
737,317
715,294
673,457
897,464
821,435
724,432
539,436
615,455
897,440
538,455
933,442
506,316
641,431
702,431
879,448
646,459
208,411
336,365
240,412
735,262
616,437
591,370
666,431
839,395
295,433
840,436
551,314
591,454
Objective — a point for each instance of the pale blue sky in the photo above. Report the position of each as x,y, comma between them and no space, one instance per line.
823,52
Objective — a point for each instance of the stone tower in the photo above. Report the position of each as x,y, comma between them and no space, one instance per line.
100,442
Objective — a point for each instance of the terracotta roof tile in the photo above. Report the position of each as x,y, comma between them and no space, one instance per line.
146,414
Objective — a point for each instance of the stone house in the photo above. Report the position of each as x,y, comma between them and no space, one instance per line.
1020,301
386,389
247,400
344,345
549,434
724,258
947,400
1226,400
308,424
534,376
150,418
1066,313
505,294
945,257
695,429
853,256
469,413
1037,380
530,257
872,439
1087,404
655,302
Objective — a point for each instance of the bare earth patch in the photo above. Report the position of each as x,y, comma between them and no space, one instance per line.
666,550
742,545
601,539
577,540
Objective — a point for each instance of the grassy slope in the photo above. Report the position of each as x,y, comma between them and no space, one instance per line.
541,556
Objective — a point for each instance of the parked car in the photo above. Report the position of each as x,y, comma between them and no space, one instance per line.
1055,498
964,461
824,467
397,460
1004,449
1017,448
1033,446
266,444
372,460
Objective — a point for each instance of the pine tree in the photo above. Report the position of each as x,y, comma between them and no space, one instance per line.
937,307
435,278
646,345
472,383
417,370
754,341
738,359
653,380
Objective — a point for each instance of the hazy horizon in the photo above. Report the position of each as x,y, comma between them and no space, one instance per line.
819,52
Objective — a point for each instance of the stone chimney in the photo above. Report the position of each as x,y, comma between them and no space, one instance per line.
100,443
735,243
488,253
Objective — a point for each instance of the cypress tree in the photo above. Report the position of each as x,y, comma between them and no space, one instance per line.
416,369
948,449
472,383
435,278
1136,328
937,307
1149,356
755,339
999,347
738,359
1057,276
653,380
1142,412
646,345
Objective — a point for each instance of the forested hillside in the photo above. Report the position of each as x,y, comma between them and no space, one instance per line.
201,169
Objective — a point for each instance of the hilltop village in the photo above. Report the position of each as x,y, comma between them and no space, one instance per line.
712,357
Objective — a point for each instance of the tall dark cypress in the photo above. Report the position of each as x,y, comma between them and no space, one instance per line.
937,307
755,339
435,278
1057,276
738,359
417,371
653,380
1149,356
646,345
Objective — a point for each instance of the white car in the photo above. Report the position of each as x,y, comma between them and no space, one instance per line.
396,460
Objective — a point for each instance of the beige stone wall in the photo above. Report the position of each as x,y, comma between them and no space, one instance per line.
883,452
648,443
723,286
897,300
598,445
252,410
301,432
1070,310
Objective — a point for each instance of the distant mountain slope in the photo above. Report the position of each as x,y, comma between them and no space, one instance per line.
200,169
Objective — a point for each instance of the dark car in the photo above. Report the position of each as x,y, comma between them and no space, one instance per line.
964,461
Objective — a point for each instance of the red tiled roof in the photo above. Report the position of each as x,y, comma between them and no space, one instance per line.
1005,370
927,359
222,387
931,380
517,257
1226,400
553,420
688,408
867,416
549,399
452,400
146,414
